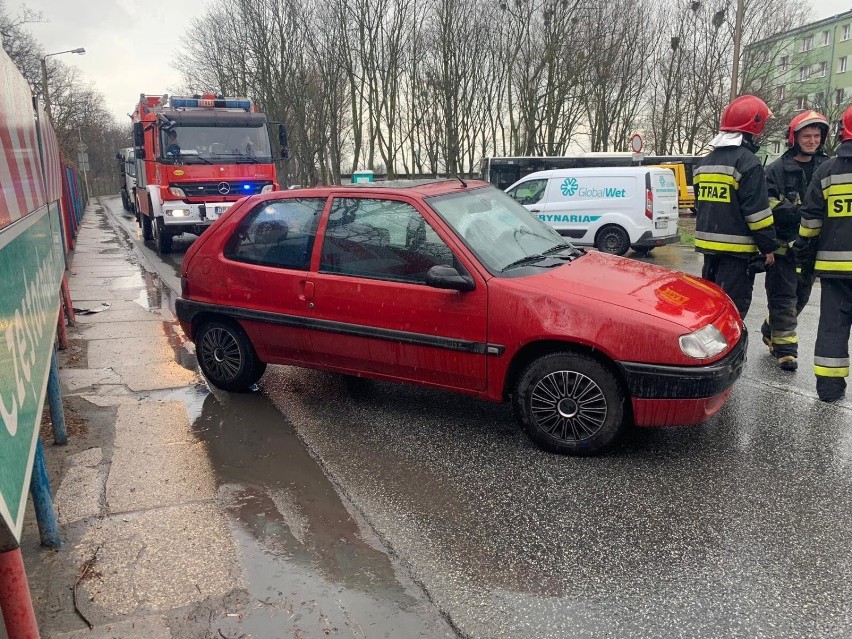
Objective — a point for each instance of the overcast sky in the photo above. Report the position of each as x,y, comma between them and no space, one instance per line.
130,44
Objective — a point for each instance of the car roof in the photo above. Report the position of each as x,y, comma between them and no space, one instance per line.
421,188
601,171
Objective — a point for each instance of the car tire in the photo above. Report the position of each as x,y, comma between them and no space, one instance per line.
162,238
570,404
147,231
125,201
226,356
612,239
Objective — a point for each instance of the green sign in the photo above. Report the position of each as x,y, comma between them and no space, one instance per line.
31,265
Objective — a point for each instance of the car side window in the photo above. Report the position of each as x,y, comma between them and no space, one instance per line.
278,233
381,239
529,192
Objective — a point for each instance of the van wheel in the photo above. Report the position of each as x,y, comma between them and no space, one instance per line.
569,403
612,239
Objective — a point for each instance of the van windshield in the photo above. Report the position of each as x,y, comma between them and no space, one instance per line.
497,229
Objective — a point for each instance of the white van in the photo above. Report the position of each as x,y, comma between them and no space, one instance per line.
613,209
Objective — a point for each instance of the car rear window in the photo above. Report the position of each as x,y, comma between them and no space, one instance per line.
278,233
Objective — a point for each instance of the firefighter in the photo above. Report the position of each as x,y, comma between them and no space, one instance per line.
825,244
787,180
734,226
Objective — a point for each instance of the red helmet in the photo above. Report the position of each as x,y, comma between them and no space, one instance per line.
846,123
804,119
746,114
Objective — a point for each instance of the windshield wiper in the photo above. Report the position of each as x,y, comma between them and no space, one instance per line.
561,247
242,156
184,159
524,260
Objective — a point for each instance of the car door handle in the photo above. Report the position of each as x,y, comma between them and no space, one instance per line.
307,291
535,210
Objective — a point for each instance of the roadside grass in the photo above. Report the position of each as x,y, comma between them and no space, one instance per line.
686,237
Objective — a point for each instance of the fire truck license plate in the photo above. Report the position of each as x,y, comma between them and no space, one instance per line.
213,212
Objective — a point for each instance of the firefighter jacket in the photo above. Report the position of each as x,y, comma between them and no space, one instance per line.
827,215
732,205
785,181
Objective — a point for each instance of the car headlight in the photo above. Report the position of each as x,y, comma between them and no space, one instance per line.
267,189
177,212
703,343
176,191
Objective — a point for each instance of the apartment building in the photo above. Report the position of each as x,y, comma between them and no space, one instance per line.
806,68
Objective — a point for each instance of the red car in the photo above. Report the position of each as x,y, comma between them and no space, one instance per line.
454,285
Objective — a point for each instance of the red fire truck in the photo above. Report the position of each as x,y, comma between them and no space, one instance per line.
195,157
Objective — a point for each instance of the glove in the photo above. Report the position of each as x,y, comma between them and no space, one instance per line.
756,264
804,252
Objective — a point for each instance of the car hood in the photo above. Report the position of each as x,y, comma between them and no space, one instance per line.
645,288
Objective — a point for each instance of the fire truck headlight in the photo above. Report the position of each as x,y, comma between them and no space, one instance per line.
267,189
703,343
178,212
176,191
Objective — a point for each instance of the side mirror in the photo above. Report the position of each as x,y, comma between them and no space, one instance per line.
138,134
282,141
443,276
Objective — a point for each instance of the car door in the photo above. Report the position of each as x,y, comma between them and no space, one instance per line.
265,266
372,311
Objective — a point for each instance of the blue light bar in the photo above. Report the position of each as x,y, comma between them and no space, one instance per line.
246,187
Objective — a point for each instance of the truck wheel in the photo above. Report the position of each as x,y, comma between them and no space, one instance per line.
147,233
569,403
612,239
226,356
162,238
125,201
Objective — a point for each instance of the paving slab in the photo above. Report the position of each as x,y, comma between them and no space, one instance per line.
141,378
139,627
156,461
79,493
105,353
75,379
150,329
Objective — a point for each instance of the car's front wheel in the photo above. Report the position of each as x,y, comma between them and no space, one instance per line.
569,403
227,357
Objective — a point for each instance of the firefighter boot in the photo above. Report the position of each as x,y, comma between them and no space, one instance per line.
766,333
788,363
830,389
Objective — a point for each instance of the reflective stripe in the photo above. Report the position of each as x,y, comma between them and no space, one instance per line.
839,256
781,250
773,202
839,178
760,220
824,371
722,246
722,237
785,340
832,362
837,189
806,232
809,223
840,267
722,169
717,178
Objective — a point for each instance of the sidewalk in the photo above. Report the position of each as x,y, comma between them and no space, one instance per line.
133,491
152,544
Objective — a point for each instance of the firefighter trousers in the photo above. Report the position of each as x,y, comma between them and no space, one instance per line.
831,354
733,276
782,289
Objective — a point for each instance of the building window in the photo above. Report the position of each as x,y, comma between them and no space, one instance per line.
821,69
808,43
784,62
780,93
802,102
825,39
839,94
776,147
804,72
841,65
846,31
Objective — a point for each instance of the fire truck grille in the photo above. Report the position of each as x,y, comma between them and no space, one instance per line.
226,188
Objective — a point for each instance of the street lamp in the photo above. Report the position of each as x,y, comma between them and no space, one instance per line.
79,50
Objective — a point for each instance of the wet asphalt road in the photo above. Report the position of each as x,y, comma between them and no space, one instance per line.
737,528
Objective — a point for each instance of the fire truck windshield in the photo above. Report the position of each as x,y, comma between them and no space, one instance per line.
216,144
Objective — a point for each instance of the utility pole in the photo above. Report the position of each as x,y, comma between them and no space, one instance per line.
738,34
44,90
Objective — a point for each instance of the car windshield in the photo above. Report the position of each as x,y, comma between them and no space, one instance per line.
497,229
219,144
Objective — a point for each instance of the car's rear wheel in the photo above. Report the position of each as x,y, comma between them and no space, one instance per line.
227,357
612,239
570,404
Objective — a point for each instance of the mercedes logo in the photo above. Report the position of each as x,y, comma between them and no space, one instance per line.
224,188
